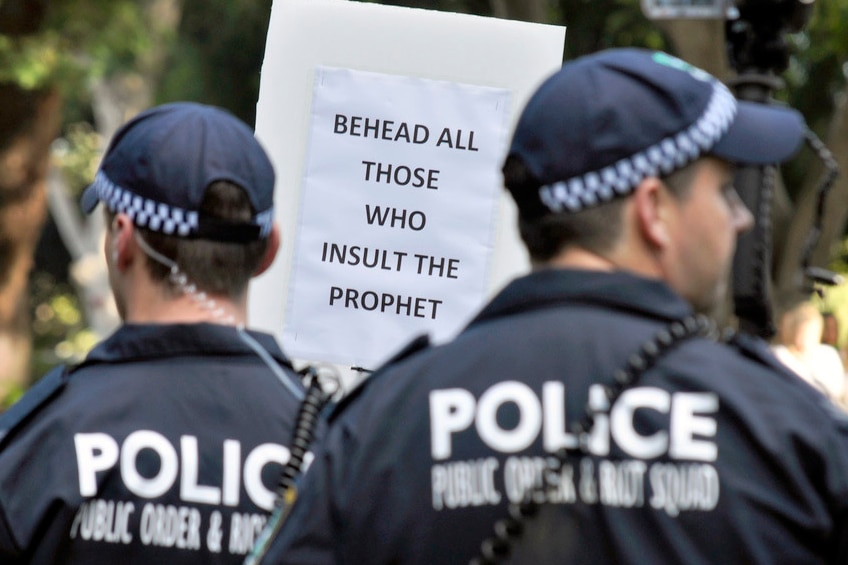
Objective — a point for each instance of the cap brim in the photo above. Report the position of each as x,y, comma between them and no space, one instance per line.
89,199
761,135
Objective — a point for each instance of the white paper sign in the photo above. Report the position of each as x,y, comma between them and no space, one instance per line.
398,211
439,70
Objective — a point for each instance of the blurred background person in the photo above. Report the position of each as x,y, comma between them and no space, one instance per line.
830,335
800,347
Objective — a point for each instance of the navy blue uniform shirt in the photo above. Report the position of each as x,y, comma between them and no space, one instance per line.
164,446
715,455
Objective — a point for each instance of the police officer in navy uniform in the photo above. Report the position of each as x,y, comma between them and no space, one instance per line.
590,414
165,445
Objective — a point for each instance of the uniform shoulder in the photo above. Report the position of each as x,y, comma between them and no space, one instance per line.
739,349
418,344
801,395
40,394
760,352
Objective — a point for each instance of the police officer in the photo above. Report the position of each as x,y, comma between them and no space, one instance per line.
166,443
589,415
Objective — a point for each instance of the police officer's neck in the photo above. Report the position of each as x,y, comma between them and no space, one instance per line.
175,300
622,258
150,304
579,258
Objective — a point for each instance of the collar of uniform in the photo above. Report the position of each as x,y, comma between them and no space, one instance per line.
155,341
618,290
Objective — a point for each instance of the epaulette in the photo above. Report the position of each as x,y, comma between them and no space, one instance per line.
419,343
47,387
755,349
758,350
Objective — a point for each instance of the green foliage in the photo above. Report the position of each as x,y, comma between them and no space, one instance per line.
217,58
827,30
77,154
816,77
15,393
835,299
218,55
60,334
78,39
840,258
31,62
592,25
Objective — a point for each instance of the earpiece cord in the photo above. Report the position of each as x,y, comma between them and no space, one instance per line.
202,299
307,421
153,254
271,363
178,278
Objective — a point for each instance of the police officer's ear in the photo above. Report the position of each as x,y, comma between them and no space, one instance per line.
653,206
274,240
120,238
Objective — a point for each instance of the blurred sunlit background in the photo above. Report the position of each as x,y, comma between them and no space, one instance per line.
71,71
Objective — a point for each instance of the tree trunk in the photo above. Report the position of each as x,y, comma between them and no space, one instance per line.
700,43
31,123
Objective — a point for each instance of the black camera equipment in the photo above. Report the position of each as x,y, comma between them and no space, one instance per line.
756,34
758,51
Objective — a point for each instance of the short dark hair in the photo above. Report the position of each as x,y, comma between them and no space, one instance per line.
212,266
595,229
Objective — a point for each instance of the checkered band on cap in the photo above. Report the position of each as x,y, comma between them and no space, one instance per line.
156,216
670,154
265,220
144,212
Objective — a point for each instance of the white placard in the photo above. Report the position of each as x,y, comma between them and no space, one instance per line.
459,55
398,209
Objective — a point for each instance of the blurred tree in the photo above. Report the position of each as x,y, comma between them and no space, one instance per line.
29,120
115,57
56,58
218,55
23,167
124,61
